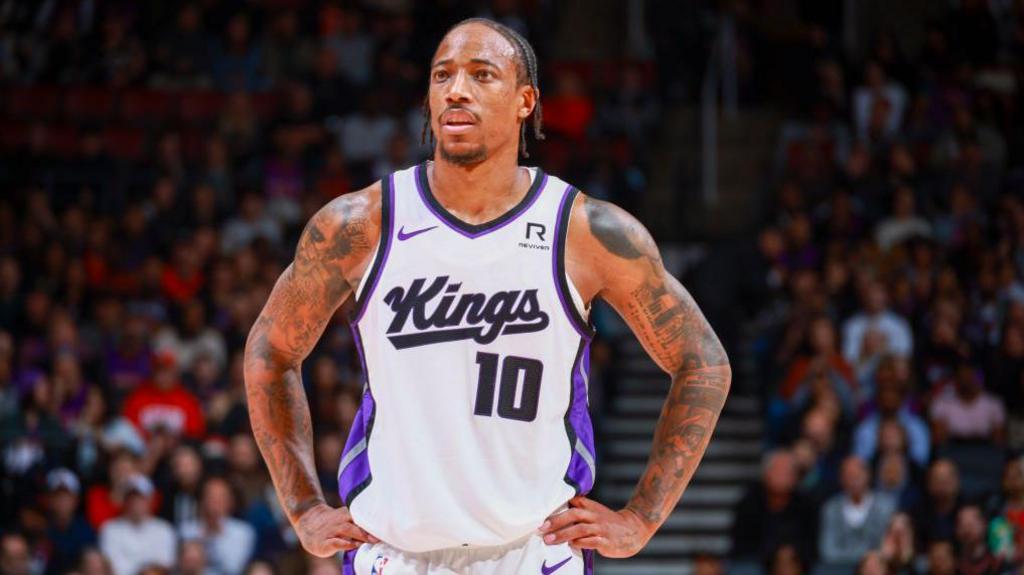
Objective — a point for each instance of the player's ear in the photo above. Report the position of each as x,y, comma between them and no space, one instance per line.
528,97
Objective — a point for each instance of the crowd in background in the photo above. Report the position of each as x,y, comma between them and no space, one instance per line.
889,324
160,159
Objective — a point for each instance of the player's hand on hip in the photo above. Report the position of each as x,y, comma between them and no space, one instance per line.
325,530
588,524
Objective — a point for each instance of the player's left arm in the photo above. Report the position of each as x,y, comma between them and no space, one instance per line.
616,259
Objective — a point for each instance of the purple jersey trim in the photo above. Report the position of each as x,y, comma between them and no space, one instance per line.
377,267
579,471
588,562
348,562
420,175
356,474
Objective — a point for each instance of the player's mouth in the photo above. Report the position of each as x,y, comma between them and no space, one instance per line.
457,121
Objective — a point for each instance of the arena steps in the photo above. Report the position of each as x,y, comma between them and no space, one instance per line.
704,516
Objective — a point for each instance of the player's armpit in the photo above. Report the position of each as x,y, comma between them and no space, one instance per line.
331,253
671,327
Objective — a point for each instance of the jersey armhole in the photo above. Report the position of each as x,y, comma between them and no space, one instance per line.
380,254
572,303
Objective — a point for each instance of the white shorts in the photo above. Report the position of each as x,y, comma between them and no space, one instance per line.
526,556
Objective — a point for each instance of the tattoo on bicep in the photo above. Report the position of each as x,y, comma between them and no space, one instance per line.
670,325
316,282
616,233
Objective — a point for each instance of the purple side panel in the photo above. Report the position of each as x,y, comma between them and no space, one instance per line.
579,418
588,562
348,566
357,470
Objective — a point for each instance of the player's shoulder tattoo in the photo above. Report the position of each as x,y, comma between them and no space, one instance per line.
620,233
347,226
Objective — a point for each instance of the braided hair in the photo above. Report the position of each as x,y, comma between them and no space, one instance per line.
526,73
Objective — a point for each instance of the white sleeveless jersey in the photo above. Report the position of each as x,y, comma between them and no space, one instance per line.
474,425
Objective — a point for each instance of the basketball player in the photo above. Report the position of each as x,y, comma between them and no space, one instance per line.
470,279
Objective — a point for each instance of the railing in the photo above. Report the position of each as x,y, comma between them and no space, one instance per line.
720,83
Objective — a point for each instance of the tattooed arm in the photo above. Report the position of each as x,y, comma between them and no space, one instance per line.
329,261
610,255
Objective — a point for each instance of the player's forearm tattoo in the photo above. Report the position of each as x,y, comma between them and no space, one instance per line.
300,306
671,327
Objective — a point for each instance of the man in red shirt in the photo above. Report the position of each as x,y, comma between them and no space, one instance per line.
164,404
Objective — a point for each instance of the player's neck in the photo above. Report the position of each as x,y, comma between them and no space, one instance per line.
480,192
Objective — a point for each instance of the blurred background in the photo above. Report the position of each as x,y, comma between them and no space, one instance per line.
838,182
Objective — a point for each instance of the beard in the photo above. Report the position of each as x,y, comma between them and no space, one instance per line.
462,159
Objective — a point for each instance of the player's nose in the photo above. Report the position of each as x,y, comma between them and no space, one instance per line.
458,88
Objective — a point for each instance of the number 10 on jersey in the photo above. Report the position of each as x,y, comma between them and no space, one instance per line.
508,387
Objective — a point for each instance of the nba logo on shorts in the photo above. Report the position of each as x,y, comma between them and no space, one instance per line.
378,565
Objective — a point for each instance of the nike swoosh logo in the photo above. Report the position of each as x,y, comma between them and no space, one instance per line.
549,570
402,236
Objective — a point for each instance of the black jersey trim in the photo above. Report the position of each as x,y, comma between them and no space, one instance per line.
387,217
473,231
585,327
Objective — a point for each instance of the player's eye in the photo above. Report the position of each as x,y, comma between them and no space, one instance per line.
484,75
440,75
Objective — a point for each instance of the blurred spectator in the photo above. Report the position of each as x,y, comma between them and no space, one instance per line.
892,407
896,474
181,497
68,532
137,539
15,557
854,521
182,53
163,405
365,134
875,330
252,223
941,558
772,514
345,35
974,554
968,412
192,558
238,60
878,105
935,516
94,563
897,547
786,561
1006,530
228,542
193,339
903,223
289,52
33,437
871,563
822,360
826,451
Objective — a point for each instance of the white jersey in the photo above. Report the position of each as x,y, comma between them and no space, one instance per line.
474,424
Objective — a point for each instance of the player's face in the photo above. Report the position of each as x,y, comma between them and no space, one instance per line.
476,104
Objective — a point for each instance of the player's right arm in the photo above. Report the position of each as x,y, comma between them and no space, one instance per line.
330,258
